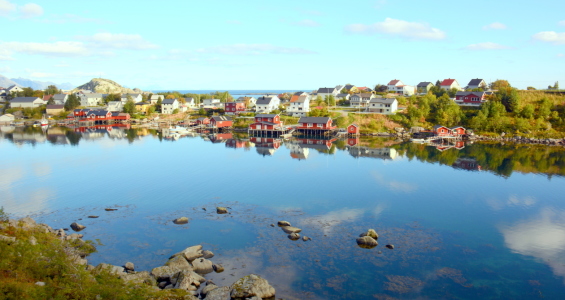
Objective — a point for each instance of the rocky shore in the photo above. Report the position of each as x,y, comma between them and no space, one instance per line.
518,140
182,274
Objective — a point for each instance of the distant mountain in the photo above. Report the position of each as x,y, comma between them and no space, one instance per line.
40,85
6,82
105,86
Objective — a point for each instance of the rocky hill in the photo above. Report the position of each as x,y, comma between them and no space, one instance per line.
6,82
105,86
41,85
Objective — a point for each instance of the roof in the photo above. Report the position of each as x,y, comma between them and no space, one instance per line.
383,100
447,82
315,120
220,118
349,86
302,99
25,99
326,90
169,101
156,97
394,82
99,112
265,116
47,97
298,93
480,94
60,96
55,107
201,119
342,95
476,81
354,125
93,95
439,126
424,83
264,100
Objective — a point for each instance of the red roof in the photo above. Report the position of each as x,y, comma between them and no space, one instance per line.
362,88
47,97
393,82
447,82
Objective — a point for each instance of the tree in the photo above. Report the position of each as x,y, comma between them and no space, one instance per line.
50,101
499,84
446,112
556,85
72,102
509,97
438,84
528,111
52,90
158,105
331,100
129,107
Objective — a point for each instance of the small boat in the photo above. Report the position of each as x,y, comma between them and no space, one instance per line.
420,141
44,121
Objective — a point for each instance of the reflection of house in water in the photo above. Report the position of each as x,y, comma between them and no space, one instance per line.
220,137
27,137
236,144
467,163
7,129
382,153
442,146
297,151
318,144
266,146
57,135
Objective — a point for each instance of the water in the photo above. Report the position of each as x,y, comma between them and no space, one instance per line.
486,221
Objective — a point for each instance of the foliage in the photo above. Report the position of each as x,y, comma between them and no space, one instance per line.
129,107
509,97
176,111
499,84
112,97
446,112
72,102
52,90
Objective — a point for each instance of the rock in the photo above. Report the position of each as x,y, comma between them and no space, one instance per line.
103,86
112,269
252,285
8,239
272,225
290,229
188,280
165,273
60,233
218,268
207,254
294,236
305,238
283,223
27,223
371,232
221,210
77,227
33,241
93,217
73,236
139,278
40,283
208,288
129,266
367,242
181,220
179,262
163,284
221,293
202,266
191,253
110,209
390,246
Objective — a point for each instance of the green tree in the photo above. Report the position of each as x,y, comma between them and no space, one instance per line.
499,84
52,90
509,97
446,112
129,107
544,109
72,102
528,111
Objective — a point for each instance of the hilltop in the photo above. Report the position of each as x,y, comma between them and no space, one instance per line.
105,86
6,82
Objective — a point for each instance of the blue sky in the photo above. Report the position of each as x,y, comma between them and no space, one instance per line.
291,44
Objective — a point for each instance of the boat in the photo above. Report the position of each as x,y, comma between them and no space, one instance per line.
420,141
44,121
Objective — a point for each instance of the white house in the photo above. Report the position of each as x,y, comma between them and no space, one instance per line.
169,105
448,84
60,99
90,99
190,102
26,102
135,97
155,98
300,107
114,106
211,102
385,106
323,92
361,100
398,87
476,83
250,101
266,104
14,88
7,118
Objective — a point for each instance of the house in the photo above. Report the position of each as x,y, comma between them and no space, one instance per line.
26,102
7,118
190,102
364,89
342,97
266,104
235,107
448,84
155,98
297,95
91,99
315,123
385,106
353,129
350,88
325,91
220,122
398,87
120,117
142,107
470,98
380,153
46,98
249,101
300,107
98,115
211,102
457,131
266,122
441,131
60,99
424,87
115,106
14,89
3,95
476,84
54,109
134,97
202,121
233,143
361,100
168,106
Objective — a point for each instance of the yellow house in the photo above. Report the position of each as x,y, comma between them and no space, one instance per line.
142,107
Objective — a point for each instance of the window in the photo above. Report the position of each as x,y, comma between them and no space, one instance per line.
309,124
259,119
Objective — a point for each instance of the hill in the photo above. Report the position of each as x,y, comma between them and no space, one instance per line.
105,86
6,82
40,85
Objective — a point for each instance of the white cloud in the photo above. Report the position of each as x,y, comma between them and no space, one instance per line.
42,75
30,10
118,41
5,55
71,18
254,49
560,55
328,221
62,65
380,3
6,7
48,49
394,185
307,23
495,26
553,37
561,23
5,70
487,46
399,28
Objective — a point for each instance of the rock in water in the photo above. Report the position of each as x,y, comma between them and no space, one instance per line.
110,209
77,227
294,236
181,220
305,238
367,242
390,246
290,229
129,266
221,293
371,232
250,286
207,254
202,266
283,223
218,268
221,210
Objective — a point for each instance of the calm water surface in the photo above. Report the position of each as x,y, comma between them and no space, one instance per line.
482,221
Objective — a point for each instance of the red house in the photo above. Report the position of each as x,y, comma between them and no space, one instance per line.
457,131
81,113
202,121
220,137
442,131
315,123
220,122
99,115
235,107
470,98
266,122
352,141
353,129
233,143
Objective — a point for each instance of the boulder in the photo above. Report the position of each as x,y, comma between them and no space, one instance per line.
207,254
367,242
290,229
129,266
218,268
27,223
191,253
305,238
181,220
179,262
283,223
221,293
390,246
208,288
33,241
202,266
77,227
112,269
60,233
294,236
165,273
8,239
371,232
188,280
250,286
221,210
139,278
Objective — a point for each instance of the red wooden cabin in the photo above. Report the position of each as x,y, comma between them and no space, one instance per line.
266,122
315,123
235,107
353,129
457,131
442,131
202,121
220,122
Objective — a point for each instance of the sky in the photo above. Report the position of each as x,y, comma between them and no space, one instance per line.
295,45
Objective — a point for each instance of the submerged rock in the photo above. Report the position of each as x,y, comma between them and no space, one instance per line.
218,268
290,229
77,227
367,242
294,236
202,266
181,220
390,246
283,223
251,286
305,238
110,209
207,254
221,210
93,217
371,232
